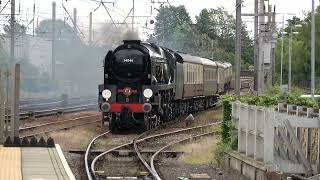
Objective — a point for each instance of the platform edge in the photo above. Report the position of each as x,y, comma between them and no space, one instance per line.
64,162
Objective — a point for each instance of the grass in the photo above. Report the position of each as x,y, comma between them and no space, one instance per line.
102,143
77,138
201,152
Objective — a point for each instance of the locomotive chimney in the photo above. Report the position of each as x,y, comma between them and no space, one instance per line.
131,37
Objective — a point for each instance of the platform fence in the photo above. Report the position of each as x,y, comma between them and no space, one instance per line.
284,139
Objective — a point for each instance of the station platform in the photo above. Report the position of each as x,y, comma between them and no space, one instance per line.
30,163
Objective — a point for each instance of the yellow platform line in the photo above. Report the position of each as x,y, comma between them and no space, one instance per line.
10,163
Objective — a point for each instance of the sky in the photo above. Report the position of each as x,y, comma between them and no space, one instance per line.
120,9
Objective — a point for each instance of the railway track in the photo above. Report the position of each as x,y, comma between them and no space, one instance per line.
152,163
136,145
40,108
57,125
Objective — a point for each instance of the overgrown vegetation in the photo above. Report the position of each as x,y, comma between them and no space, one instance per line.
226,123
228,141
271,98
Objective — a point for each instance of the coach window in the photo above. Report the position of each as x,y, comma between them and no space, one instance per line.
201,74
212,74
192,76
188,73
189,76
206,74
197,75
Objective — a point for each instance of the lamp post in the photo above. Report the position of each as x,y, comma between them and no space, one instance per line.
312,50
282,47
281,61
290,55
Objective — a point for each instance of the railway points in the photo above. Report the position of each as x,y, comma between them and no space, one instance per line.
92,162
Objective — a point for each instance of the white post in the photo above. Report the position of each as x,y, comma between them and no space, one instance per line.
269,136
243,117
250,147
260,118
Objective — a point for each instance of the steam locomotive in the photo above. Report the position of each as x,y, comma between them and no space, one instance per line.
146,85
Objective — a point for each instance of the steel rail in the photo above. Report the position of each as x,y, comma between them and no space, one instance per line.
171,144
144,162
56,122
86,156
136,140
59,122
104,153
55,111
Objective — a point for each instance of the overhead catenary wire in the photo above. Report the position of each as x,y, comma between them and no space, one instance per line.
4,6
73,21
109,14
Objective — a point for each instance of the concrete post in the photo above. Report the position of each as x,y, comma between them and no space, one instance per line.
15,101
309,136
75,21
53,51
238,48
90,28
250,146
260,118
269,136
2,108
243,118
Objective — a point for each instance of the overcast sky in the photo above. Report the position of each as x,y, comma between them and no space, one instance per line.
142,8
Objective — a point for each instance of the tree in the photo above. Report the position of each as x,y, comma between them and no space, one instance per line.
211,37
219,25
63,30
301,47
167,20
19,28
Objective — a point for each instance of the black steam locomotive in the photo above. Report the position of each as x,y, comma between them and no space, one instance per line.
146,85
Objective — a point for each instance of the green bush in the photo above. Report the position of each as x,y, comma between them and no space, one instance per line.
263,100
295,98
226,97
220,151
273,91
226,128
